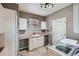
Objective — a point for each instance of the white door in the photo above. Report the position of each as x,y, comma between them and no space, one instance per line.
58,29
10,29
32,43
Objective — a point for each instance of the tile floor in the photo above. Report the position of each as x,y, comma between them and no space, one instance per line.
42,51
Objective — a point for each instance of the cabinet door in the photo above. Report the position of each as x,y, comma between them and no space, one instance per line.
43,25
36,42
41,41
76,18
32,43
22,24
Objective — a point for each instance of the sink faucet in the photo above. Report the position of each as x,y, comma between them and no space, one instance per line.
34,33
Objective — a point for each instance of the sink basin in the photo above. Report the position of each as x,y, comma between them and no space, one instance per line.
35,35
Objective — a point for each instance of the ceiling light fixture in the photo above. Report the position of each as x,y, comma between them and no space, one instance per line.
46,5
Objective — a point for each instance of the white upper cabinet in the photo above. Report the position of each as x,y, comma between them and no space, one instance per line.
1,19
76,18
22,24
43,25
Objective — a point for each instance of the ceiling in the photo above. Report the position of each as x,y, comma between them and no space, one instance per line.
36,9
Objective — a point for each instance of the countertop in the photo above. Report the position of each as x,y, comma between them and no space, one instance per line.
26,36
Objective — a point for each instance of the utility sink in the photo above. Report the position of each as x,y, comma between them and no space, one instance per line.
36,35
